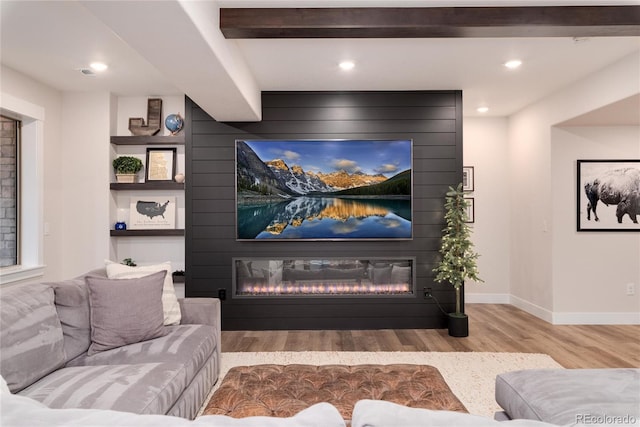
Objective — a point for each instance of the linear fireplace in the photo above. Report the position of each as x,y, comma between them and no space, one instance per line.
326,277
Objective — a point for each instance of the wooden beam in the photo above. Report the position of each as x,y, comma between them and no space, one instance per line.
431,22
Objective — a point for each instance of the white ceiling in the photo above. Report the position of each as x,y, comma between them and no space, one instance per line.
171,47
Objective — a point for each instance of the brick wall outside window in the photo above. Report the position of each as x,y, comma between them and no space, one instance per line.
8,191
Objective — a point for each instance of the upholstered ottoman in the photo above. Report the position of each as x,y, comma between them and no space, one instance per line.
571,396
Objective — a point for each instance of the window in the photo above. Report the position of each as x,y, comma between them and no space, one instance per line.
9,185
29,259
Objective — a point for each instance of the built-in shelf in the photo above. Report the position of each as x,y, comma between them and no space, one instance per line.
159,185
149,140
133,233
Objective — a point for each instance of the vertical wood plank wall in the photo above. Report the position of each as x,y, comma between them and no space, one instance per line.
432,119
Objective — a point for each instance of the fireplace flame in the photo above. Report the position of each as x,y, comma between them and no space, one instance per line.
291,288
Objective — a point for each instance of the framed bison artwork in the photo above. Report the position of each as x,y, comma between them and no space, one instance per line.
608,195
152,213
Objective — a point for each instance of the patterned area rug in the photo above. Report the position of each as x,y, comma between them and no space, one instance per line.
470,376
284,390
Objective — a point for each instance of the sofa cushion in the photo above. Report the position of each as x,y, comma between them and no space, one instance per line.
72,305
30,335
563,396
149,388
125,311
169,299
190,345
378,413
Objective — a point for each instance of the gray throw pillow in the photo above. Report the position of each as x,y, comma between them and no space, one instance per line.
72,305
125,311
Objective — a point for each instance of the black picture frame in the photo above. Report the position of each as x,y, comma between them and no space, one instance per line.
468,183
161,164
471,209
608,195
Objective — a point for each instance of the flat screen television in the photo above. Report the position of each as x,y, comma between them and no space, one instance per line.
323,189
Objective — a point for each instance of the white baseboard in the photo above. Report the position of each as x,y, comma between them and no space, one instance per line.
487,298
567,318
531,308
596,318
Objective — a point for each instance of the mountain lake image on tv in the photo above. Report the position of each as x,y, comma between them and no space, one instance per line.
323,189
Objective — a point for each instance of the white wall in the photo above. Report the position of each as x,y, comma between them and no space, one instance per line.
536,263
29,90
591,269
486,149
85,173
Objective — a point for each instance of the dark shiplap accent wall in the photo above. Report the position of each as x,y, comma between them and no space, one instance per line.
432,119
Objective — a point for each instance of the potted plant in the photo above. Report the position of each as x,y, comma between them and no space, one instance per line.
458,257
126,168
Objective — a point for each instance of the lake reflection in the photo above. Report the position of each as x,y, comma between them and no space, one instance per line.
326,218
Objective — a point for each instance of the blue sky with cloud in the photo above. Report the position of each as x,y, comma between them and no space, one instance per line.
387,157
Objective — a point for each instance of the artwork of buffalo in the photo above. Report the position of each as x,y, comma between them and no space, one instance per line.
608,195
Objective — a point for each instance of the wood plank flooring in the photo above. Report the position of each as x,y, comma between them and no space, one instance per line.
492,328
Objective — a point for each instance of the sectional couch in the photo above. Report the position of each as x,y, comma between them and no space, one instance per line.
99,343
62,364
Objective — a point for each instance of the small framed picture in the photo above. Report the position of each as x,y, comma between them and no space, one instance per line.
467,178
471,209
161,164
152,213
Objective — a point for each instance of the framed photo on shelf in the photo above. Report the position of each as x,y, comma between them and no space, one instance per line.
467,178
152,213
161,164
471,209
608,195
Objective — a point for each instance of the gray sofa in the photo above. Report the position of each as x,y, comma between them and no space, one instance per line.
571,396
20,411
45,338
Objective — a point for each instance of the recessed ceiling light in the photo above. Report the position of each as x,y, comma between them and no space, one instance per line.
98,66
347,65
513,64
482,109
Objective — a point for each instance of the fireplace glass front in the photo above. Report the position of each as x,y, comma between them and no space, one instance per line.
335,277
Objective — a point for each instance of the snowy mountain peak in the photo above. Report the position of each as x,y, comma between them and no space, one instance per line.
277,164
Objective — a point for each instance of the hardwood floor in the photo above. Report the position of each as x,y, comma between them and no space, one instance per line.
492,328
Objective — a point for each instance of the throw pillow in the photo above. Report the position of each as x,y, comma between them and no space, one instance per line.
72,305
125,311
170,303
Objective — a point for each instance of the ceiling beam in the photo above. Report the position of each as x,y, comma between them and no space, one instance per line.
431,22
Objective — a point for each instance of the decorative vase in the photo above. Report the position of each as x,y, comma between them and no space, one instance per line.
179,178
458,325
126,178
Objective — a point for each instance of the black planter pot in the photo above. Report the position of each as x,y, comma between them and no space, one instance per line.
458,325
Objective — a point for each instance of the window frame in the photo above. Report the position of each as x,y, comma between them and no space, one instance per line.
31,245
